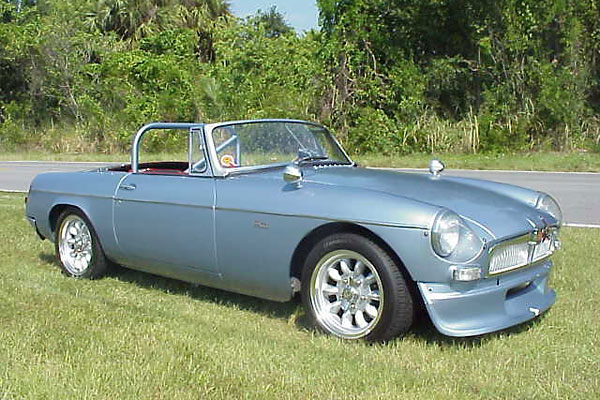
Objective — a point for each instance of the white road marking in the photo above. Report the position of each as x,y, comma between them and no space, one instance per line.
491,170
12,191
581,225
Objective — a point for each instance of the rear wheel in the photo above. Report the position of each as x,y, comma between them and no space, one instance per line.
351,288
77,246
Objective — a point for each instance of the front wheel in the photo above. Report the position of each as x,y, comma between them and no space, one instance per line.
351,288
77,246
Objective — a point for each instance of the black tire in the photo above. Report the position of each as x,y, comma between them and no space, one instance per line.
394,315
98,265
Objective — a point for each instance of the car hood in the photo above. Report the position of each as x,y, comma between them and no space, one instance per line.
491,206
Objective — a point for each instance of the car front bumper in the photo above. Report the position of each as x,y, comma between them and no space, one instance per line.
491,304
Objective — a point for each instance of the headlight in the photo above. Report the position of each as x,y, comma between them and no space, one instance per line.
452,239
548,205
445,233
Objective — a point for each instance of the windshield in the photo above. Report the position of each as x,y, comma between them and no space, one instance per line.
265,143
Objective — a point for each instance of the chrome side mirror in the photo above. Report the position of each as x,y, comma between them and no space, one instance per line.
435,167
292,174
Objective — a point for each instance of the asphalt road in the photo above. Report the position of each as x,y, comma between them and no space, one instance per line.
15,176
578,192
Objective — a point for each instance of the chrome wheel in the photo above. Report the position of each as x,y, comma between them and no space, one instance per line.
346,294
75,245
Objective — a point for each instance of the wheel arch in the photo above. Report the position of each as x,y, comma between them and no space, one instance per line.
57,210
60,207
322,231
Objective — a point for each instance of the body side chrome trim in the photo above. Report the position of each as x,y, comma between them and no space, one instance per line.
375,223
165,203
72,194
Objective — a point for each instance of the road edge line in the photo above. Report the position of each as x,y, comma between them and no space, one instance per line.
574,225
12,191
490,170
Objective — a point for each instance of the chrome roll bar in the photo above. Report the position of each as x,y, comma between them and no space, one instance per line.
155,125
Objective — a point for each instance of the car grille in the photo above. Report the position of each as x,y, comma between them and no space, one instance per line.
542,250
508,257
522,251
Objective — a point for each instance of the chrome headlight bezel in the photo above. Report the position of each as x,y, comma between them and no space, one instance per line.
452,239
549,205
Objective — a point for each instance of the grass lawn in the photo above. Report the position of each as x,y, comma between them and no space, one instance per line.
535,161
133,335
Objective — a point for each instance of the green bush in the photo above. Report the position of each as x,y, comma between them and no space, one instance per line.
389,76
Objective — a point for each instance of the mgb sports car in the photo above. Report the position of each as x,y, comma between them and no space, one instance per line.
269,208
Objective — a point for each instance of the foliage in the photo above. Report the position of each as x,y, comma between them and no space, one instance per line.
389,76
521,73
273,23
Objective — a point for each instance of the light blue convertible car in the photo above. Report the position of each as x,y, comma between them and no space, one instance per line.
269,208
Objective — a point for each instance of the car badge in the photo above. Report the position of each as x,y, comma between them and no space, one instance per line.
539,235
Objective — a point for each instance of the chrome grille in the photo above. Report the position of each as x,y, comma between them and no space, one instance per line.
509,256
543,249
522,251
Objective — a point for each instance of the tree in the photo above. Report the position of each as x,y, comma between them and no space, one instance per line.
273,23
135,19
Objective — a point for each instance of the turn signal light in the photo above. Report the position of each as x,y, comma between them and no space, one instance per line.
465,274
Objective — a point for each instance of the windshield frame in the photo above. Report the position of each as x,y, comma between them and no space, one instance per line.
218,170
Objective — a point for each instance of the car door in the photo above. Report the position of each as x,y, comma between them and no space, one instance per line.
165,221
161,219
256,236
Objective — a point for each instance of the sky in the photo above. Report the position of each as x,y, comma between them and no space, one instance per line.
300,14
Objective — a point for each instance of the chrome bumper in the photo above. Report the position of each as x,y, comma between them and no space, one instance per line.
495,303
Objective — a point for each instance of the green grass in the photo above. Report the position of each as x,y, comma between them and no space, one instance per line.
535,161
133,335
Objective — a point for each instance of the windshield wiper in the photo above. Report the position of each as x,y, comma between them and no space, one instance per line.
311,158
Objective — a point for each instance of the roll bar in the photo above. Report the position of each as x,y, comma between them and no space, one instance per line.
155,125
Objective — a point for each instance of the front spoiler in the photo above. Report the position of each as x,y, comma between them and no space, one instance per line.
495,303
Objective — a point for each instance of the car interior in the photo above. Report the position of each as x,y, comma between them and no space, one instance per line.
157,168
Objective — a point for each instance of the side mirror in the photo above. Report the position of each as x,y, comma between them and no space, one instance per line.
292,174
435,167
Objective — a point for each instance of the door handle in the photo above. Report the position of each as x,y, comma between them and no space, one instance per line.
127,187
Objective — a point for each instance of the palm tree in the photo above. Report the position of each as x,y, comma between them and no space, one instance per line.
134,19
215,8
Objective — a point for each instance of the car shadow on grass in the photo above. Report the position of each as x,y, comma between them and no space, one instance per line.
206,294
291,311
425,330
287,310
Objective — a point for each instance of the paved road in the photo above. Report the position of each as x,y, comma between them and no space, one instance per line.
577,193
15,176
